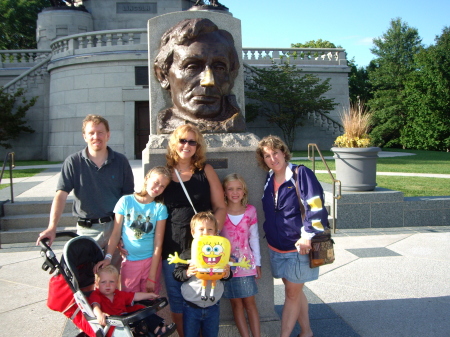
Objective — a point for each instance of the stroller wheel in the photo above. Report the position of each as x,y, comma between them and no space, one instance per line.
141,330
82,334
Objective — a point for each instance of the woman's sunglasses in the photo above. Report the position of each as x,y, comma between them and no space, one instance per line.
190,142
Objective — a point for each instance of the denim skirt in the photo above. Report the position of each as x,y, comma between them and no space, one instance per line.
293,266
240,287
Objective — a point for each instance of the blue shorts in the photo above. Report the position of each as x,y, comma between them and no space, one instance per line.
173,288
240,287
293,267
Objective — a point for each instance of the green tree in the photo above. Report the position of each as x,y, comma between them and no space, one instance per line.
285,97
315,44
312,44
359,87
428,98
395,52
12,116
18,23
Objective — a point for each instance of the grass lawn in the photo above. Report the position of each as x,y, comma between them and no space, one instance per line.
25,172
421,162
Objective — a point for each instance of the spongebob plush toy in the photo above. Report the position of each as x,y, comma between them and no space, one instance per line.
210,254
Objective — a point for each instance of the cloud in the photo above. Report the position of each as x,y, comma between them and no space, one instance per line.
358,40
366,41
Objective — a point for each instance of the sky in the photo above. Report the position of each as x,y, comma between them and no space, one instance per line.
348,23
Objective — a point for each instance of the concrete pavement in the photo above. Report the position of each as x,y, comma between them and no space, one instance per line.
384,282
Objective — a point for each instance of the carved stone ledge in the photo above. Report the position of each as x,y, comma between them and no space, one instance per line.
213,141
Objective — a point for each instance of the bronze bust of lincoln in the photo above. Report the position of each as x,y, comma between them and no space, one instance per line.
198,63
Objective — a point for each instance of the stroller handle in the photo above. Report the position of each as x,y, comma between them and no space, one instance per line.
51,262
44,243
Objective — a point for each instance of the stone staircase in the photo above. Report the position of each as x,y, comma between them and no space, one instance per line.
325,123
24,220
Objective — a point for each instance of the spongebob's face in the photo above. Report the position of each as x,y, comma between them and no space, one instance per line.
212,251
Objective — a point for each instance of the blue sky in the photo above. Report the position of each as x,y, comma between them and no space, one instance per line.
349,23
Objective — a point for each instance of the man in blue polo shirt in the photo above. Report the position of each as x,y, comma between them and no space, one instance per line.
98,177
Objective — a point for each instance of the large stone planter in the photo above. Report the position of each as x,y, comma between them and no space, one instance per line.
356,168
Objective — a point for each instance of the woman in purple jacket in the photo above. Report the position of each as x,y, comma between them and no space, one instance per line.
288,235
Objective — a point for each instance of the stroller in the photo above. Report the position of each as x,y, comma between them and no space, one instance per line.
73,273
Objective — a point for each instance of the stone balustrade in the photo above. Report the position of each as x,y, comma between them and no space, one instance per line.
124,39
33,76
100,41
22,58
304,56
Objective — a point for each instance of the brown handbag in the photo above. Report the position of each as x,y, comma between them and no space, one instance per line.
322,251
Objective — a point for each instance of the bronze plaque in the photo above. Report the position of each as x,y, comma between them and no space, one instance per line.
218,163
136,7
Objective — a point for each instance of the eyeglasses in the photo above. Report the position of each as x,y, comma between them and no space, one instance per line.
190,142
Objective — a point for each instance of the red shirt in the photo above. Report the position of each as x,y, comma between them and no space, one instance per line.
121,304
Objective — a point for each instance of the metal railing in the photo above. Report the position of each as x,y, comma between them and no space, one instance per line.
336,183
10,156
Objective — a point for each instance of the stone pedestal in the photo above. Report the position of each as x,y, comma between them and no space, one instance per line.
385,208
231,153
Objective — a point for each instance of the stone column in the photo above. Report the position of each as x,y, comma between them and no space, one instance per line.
231,153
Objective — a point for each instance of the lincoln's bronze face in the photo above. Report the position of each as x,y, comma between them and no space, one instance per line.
198,63
200,76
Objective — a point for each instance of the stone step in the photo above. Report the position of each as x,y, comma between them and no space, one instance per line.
28,234
25,221
32,207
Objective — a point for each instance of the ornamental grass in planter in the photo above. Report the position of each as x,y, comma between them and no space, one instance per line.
356,159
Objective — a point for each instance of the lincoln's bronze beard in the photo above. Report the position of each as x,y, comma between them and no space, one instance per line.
229,119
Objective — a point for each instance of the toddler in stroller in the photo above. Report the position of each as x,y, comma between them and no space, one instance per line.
75,273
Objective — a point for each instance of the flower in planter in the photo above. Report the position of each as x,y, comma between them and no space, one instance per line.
356,123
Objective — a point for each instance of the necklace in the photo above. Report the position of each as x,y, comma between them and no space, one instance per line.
184,169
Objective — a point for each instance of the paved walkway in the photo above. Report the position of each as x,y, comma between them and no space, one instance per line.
384,282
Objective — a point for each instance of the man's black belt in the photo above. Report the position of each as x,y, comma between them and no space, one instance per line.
89,222
193,305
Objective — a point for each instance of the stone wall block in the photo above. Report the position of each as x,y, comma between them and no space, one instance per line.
61,84
76,96
427,211
117,67
119,79
105,94
56,125
91,81
55,152
115,109
57,98
386,214
96,108
353,216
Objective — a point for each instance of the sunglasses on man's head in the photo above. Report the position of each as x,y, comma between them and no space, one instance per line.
190,142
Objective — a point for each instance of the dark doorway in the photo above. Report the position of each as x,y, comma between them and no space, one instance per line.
141,127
